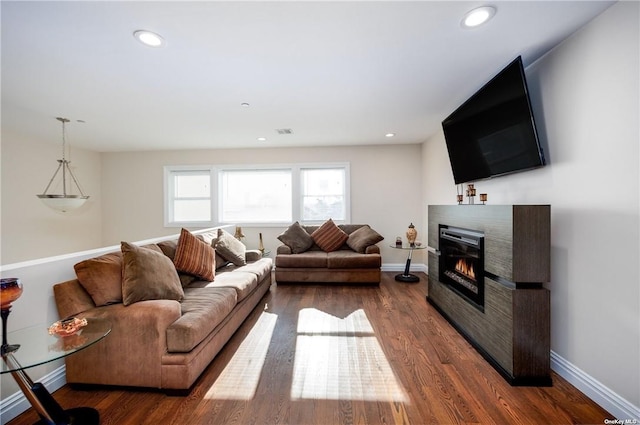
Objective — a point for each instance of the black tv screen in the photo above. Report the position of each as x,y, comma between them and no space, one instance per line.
493,132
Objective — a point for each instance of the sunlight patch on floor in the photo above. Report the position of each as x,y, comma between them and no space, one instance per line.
341,359
239,379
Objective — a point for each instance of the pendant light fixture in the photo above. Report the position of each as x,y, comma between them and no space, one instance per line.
66,201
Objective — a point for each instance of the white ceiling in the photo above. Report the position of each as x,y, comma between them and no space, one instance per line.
336,73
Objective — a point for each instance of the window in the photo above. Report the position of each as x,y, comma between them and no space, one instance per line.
255,196
323,194
189,196
205,196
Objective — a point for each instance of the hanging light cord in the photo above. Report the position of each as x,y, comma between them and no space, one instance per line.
64,164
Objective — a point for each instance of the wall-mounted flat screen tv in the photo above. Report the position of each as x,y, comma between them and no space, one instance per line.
493,133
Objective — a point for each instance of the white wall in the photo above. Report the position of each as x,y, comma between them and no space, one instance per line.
586,100
385,189
28,228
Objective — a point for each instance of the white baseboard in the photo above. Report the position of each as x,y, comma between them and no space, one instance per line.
399,267
619,407
17,403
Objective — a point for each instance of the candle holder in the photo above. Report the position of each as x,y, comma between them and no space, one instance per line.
471,193
483,198
459,194
10,290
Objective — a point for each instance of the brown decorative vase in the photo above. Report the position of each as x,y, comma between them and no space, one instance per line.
412,234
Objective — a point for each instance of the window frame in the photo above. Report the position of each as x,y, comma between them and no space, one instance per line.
299,195
215,172
172,170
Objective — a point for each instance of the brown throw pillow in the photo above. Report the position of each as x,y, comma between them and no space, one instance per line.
329,237
361,238
148,274
230,248
169,249
194,256
296,238
101,277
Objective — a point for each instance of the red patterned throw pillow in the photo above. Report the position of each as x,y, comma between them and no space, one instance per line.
194,256
329,237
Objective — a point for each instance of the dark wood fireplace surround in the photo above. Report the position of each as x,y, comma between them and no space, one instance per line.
512,332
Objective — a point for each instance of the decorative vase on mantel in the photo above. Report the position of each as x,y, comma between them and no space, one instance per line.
412,234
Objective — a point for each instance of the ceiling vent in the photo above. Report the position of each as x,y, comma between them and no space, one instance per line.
284,131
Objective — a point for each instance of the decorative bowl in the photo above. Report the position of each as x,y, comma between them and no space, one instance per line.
67,327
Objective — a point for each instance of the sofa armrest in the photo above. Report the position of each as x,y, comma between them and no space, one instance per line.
132,353
372,249
283,249
71,298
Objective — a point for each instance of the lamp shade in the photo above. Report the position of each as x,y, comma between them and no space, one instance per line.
63,203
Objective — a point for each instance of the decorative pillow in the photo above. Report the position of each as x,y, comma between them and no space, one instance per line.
169,249
296,238
101,277
361,238
329,237
195,257
148,274
230,248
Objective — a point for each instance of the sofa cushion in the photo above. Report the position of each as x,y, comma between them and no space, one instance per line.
345,259
194,256
230,248
148,274
313,259
361,238
296,238
202,309
260,268
242,282
101,277
329,237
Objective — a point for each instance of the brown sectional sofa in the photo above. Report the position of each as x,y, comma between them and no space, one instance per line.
356,260
165,343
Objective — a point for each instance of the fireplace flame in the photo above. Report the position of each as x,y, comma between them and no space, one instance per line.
465,268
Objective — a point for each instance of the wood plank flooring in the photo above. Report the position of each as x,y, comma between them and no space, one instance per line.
327,354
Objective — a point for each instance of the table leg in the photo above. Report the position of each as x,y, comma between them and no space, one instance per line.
406,276
50,412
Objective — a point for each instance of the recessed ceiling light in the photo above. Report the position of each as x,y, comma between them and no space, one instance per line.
149,38
262,139
478,16
390,135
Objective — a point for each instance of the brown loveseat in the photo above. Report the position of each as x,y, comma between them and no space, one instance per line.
162,339
345,253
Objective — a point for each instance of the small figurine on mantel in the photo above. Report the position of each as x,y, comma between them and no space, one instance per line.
412,234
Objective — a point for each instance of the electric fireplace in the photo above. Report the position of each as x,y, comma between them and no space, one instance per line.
462,263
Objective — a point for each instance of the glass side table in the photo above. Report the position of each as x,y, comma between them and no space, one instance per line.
406,276
37,347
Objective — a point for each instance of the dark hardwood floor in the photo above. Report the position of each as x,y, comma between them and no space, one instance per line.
327,354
